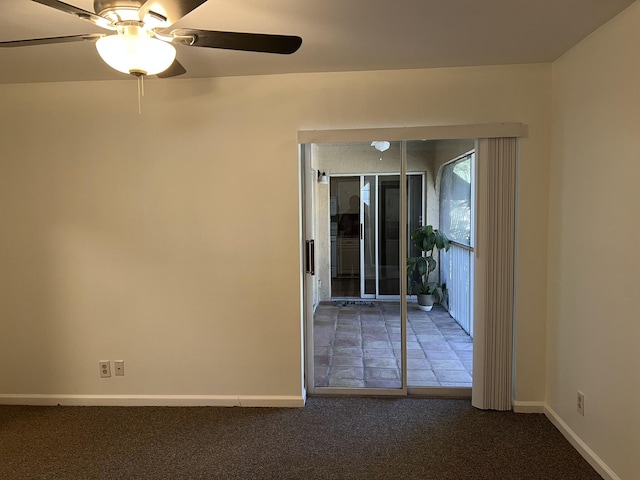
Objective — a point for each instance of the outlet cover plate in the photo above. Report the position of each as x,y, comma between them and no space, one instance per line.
580,403
105,368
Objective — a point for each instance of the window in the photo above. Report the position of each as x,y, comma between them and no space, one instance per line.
456,220
455,199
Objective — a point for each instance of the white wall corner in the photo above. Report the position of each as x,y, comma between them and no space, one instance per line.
583,449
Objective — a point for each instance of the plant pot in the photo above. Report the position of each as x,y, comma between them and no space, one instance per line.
425,302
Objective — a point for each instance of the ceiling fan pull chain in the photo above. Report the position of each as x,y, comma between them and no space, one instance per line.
139,74
140,93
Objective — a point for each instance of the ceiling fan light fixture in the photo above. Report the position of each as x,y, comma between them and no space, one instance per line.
381,145
134,50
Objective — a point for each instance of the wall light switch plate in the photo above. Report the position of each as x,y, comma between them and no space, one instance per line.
118,366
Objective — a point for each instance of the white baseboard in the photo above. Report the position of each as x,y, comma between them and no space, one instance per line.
270,401
583,449
528,407
154,400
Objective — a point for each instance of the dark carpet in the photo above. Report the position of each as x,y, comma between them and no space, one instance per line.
331,438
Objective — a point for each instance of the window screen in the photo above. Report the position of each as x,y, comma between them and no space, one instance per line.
455,200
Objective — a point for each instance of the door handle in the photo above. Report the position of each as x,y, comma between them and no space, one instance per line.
361,231
310,257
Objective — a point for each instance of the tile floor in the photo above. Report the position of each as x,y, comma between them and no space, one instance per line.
357,344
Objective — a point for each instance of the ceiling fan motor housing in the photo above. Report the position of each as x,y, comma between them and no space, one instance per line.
100,6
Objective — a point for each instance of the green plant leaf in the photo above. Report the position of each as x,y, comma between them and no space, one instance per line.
423,265
431,264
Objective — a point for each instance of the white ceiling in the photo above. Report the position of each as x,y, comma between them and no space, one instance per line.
338,35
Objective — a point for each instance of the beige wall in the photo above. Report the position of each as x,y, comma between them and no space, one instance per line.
171,239
594,327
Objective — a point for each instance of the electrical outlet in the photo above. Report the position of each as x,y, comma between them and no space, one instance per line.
118,366
105,368
580,404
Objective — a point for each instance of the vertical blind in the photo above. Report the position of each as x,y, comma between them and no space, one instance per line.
499,156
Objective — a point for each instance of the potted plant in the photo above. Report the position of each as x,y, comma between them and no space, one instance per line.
426,239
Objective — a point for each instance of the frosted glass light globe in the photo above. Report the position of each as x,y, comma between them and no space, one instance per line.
136,53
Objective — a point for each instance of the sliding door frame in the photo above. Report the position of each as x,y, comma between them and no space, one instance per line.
480,131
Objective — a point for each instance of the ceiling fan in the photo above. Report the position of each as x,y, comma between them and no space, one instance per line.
143,44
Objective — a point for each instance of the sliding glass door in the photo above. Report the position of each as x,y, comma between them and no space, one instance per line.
366,333
365,233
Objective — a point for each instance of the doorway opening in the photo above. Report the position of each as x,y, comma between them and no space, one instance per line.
367,333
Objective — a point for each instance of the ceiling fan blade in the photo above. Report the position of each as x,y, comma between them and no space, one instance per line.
172,10
250,42
78,12
174,70
47,41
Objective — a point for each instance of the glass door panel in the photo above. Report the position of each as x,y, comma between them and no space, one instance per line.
345,236
369,210
389,235
439,351
382,322
391,272
357,339
415,209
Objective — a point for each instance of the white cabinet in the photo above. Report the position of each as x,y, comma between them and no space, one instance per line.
348,256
